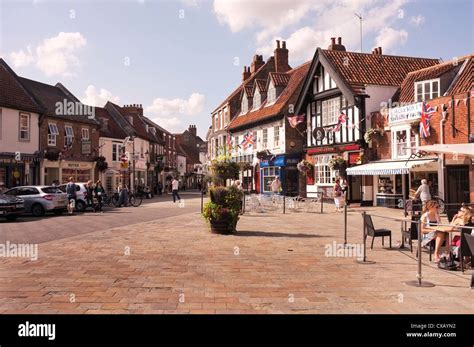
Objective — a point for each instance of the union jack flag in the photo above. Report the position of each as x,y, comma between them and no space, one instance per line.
340,120
248,140
295,120
426,114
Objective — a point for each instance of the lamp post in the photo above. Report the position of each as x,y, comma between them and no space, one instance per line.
147,166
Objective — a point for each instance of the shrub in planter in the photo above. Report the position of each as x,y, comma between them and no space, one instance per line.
371,134
304,166
337,163
225,169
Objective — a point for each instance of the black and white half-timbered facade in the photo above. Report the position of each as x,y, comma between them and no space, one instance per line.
340,90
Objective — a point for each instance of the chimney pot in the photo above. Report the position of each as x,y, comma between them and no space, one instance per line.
284,44
339,41
380,50
278,43
333,40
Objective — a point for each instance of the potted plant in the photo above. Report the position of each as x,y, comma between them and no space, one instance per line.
222,212
371,134
52,155
304,166
415,127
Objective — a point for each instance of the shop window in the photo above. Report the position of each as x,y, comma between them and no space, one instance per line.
268,175
322,172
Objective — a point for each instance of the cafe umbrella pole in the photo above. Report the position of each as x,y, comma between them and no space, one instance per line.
419,282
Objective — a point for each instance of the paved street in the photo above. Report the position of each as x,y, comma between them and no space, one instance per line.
160,258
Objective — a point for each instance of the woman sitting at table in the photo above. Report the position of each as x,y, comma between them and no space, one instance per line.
429,219
463,216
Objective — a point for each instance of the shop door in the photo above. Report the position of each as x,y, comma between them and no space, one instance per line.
355,183
457,183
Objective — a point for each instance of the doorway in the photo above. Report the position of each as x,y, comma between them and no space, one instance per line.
457,183
355,183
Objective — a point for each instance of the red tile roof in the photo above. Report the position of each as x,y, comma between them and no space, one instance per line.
113,130
138,123
262,85
463,83
249,90
288,95
12,93
279,79
360,69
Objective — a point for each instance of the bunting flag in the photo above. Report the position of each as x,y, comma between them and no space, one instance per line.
426,113
295,120
229,141
340,120
248,140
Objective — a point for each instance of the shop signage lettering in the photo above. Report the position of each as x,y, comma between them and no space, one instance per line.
333,149
405,113
78,165
86,147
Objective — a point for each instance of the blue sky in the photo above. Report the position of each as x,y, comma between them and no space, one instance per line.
178,58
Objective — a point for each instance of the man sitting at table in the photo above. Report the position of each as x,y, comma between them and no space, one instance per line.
429,219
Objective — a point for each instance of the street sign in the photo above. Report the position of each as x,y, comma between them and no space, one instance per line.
124,165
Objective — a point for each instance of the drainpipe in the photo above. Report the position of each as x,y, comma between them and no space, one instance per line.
443,157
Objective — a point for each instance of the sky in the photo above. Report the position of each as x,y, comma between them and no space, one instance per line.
181,59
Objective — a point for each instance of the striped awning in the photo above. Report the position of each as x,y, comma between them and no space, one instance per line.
388,167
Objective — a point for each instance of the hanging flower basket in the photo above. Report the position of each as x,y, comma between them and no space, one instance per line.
225,169
52,155
415,126
337,163
304,166
371,134
101,164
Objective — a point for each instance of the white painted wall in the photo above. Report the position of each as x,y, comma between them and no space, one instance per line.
9,132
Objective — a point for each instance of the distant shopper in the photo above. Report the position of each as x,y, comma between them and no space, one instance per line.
123,195
160,188
338,196
71,191
423,192
89,193
344,186
276,185
175,188
99,194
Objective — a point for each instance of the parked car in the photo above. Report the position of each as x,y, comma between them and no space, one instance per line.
81,203
40,199
11,206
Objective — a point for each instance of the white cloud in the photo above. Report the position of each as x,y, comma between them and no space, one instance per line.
390,38
171,107
99,97
22,58
417,20
327,18
172,124
54,56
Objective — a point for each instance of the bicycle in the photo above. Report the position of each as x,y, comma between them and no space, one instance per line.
135,199
410,202
111,200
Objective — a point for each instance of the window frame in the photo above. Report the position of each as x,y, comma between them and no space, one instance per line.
276,135
28,127
423,90
331,105
83,131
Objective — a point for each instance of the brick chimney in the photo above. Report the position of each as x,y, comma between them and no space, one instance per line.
377,50
281,57
133,110
336,46
245,73
257,63
193,130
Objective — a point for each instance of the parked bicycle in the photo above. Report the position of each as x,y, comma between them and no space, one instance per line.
135,199
416,205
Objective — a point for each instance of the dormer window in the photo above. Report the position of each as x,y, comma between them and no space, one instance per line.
245,104
426,90
130,119
257,99
271,94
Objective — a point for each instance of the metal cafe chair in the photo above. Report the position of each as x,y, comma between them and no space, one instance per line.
371,231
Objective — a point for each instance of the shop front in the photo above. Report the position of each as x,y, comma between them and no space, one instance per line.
323,178
18,172
281,166
61,170
397,180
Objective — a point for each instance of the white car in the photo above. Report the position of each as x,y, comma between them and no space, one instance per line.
81,203
40,199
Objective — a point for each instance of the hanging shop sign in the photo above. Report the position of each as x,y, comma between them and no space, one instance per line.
319,133
86,147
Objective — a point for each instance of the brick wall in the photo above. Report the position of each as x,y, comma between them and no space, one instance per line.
75,153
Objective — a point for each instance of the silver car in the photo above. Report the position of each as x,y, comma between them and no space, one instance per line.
40,199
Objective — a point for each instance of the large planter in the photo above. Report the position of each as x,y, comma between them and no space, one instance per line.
223,227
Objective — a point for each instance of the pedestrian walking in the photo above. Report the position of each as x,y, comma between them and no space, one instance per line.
99,194
338,196
160,188
71,191
123,195
175,188
423,193
344,187
275,187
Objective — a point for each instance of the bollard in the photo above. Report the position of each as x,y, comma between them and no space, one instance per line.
418,282
284,203
322,195
202,200
345,224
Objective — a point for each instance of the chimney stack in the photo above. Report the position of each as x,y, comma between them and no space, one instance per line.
193,130
377,50
245,73
336,46
257,63
281,57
